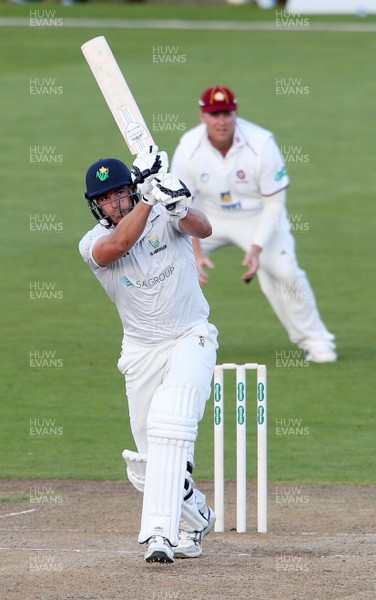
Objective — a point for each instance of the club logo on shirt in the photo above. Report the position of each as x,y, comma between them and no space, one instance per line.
280,174
227,202
204,177
240,174
155,243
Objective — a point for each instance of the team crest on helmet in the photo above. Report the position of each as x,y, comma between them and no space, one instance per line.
103,173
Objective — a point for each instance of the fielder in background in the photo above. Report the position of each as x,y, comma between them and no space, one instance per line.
238,178
141,252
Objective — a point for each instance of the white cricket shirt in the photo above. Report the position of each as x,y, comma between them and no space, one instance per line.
239,185
155,286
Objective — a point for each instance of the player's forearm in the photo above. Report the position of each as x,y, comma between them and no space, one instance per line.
270,218
112,247
196,224
196,245
255,249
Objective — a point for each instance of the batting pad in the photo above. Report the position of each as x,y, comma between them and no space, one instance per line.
172,427
192,509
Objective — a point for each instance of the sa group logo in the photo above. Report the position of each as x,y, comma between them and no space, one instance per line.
126,282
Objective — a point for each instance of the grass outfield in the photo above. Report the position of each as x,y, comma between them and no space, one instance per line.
78,399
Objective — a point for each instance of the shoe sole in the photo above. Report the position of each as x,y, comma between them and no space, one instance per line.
159,557
183,555
328,358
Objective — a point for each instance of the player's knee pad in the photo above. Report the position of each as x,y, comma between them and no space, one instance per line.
136,468
174,412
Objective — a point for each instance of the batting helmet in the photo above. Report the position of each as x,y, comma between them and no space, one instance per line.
103,176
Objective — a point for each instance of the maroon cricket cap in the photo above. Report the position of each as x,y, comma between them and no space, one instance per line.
218,99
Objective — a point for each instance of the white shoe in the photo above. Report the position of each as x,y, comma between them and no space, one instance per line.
158,550
190,542
320,352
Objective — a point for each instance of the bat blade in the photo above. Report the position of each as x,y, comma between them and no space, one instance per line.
117,94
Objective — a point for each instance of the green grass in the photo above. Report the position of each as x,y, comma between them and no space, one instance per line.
333,193
12,499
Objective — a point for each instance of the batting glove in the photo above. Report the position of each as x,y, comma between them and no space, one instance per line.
178,210
168,190
146,189
147,163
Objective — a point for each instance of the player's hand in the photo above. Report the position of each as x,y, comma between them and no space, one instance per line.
201,262
146,191
148,163
178,210
252,261
169,191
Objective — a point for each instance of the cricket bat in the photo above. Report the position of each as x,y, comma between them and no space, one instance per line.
117,94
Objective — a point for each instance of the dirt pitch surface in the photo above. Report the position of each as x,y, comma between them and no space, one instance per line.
77,540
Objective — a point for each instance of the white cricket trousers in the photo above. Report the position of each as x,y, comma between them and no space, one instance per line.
190,358
283,282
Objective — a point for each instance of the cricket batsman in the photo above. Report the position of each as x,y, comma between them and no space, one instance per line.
140,250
